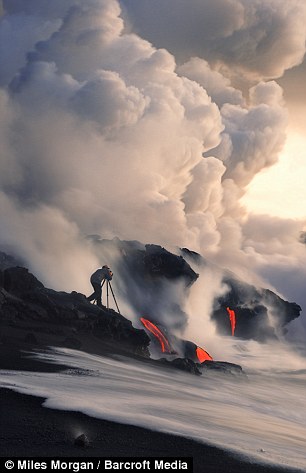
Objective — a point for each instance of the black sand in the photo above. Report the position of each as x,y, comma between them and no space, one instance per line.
30,430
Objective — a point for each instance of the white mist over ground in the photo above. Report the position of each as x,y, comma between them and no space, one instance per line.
263,418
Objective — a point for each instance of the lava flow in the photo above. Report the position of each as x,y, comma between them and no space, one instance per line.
165,345
232,317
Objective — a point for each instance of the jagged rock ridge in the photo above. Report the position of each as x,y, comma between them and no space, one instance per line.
149,276
153,280
26,305
260,313
24,299
152,270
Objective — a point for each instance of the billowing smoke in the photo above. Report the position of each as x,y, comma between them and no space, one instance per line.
127,120
259,39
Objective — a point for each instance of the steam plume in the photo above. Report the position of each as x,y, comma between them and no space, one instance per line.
103,132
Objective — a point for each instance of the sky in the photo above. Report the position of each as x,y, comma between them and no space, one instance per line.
287,176
170,122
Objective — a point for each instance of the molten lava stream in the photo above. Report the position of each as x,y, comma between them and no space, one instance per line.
165,345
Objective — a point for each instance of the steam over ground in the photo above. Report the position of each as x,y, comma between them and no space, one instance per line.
145,120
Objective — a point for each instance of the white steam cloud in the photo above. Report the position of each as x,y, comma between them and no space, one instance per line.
260,39
126,120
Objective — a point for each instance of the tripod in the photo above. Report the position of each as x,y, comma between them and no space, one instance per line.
109,286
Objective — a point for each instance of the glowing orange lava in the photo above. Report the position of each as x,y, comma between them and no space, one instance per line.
232,317
165,345
202,355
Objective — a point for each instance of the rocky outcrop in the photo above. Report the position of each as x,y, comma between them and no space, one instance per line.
220,367
260,313
149,262
18,281
223,367
26,305
112,326
183,364
24,299
154,281
82,441
157,261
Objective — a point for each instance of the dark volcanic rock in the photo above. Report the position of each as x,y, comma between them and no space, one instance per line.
282,310
112,326
72,342
183,364
189,349
24,299
193,255
157,261
150,262
19,281
82,441
153,280
223,367
31,339
156,283
260,314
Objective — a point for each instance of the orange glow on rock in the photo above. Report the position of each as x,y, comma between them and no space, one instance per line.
202,355
232,317
165,345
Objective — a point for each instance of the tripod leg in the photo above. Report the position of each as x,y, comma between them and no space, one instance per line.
107,283
114,297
